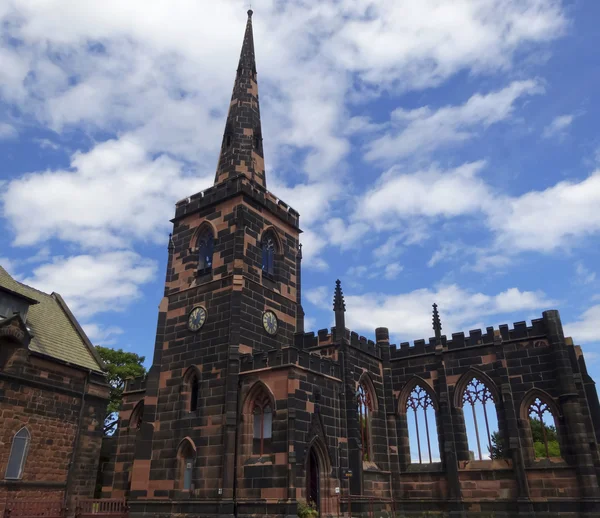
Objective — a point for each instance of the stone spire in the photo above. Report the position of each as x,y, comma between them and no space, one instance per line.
339,307
241,149
437,324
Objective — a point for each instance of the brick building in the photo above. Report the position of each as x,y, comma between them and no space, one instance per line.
243,413
53,396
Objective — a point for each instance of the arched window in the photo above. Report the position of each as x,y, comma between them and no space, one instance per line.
18,454
205,246
481,420
543,430
422,427
186,457
262,425
191,388
365,410
137,416
269,249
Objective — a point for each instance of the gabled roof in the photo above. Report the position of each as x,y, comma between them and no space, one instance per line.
56,332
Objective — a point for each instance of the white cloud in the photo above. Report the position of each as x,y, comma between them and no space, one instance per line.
101,335
424,130
585,329
408,315
9,265
557,217
428,193
114,193
584,275
7,131
558,126
392,271
312,245
92,284
344,235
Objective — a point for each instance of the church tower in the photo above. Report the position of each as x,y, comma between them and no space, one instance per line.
231,288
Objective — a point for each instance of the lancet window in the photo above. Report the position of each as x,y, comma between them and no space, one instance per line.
364,400
543,430
262,425
269,248
18,454
186,457
205,246
422,427
480,419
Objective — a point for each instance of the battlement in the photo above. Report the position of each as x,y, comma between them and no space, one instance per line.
134,384
491,336
325,337
290,356
233,187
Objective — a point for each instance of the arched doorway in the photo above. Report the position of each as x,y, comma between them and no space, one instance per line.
313,479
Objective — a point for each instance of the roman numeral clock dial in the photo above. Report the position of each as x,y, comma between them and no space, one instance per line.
270,322
196,318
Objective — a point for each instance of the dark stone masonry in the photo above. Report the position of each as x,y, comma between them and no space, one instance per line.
244,414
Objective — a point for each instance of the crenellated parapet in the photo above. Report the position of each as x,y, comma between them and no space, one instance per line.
519,331
236,186
289,356
135,384
328,337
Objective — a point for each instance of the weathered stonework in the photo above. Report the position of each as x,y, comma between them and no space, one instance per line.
60,404
195,451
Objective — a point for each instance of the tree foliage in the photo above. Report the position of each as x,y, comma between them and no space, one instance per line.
538,439
120,365
498,450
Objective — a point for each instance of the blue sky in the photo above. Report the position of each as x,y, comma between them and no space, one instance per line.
437,152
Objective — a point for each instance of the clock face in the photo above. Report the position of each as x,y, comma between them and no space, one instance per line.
197,318
270,322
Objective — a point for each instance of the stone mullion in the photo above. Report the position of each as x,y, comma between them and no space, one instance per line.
447,428
571,410
511,432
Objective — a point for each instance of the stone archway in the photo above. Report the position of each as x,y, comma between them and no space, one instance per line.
313,480
318,487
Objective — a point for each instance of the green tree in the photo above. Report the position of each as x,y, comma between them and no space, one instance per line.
538,439
120,365
498,451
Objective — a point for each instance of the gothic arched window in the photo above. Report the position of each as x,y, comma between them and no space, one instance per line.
191,388
481,420
262,425
186,456
365,410
18,454
543,428
205,245
422,426
269,249
137,416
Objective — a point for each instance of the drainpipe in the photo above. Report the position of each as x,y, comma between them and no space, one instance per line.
76,440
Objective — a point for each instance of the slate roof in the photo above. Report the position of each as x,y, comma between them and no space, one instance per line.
55,331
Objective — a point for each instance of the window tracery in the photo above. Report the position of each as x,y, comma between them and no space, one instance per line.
205,246
543,430
262,425
423,425
481,420
269,248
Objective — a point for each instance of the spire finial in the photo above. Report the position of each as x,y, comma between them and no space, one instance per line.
338,298
437,324
339,307
250,12
242,149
